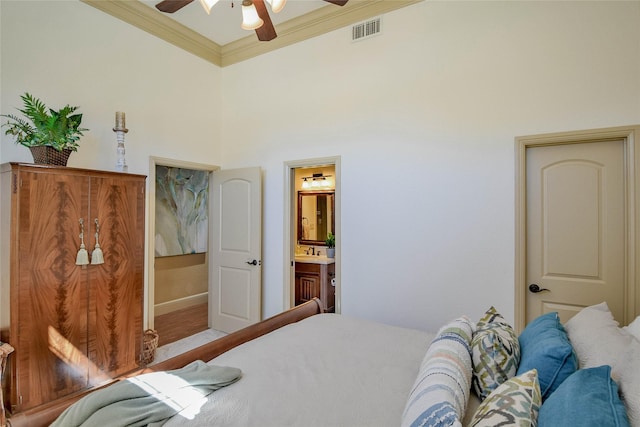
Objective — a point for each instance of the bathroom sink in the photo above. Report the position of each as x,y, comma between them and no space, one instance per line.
315,259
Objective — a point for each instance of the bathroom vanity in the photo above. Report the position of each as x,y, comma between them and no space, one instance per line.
313,279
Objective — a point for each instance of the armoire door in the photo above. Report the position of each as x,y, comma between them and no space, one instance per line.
49,295
116,286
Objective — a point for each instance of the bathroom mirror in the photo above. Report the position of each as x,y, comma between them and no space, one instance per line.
316,216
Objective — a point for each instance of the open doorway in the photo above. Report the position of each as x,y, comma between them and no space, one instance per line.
312,221
192,298
178,272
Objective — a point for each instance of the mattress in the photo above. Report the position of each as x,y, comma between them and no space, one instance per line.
326,370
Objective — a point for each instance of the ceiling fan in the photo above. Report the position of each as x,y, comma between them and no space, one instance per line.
262,23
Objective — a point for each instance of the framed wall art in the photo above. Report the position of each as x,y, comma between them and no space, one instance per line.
181,211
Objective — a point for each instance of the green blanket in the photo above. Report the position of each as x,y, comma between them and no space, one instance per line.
148,399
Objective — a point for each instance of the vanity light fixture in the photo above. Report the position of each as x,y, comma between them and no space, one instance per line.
316,181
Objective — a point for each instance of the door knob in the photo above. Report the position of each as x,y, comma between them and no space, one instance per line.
535,288
254,262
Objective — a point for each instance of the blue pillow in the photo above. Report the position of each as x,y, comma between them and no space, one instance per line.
589,397
545,346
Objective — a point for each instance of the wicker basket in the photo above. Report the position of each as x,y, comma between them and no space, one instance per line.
149,345
45,155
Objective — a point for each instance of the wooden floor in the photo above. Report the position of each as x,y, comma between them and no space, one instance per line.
181,324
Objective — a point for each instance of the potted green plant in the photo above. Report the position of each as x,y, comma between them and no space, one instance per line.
330,241
51,135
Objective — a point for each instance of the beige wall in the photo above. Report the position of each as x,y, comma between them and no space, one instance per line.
429,110
181,281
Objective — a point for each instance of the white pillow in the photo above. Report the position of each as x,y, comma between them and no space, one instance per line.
627,374
634,328
597,340
596,337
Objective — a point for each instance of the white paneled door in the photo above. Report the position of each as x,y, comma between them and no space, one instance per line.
575,228
235,264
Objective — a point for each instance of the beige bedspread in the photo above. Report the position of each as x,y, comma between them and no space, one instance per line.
327,370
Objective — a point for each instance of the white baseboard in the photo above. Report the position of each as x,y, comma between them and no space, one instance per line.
179,304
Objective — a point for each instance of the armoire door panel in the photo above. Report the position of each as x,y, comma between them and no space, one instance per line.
116,291
52,323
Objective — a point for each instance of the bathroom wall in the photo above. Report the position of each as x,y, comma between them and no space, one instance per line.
300,173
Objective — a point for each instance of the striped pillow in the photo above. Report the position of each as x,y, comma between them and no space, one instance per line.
515,402
495,353
440,393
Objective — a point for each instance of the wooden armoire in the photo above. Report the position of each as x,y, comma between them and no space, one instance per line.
72,326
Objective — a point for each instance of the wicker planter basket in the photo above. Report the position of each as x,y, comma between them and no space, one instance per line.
149,345
44,155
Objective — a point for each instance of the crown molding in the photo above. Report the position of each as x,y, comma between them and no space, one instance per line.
147,19
312,24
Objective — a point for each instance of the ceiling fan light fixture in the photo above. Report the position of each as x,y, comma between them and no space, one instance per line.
250,18
277,5
208,5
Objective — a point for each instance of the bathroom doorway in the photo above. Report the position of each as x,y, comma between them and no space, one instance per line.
312,211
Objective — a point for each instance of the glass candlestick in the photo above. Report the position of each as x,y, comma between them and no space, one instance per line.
120,130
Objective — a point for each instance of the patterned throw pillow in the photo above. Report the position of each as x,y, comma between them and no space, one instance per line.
515,402
495,353
440,392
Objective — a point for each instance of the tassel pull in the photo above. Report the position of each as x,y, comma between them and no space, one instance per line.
83,256
96,256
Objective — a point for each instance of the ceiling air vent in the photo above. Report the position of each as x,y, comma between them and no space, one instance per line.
366,29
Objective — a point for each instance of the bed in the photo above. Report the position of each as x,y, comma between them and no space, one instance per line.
307,368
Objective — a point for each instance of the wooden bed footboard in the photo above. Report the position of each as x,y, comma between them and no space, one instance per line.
46,414
215,348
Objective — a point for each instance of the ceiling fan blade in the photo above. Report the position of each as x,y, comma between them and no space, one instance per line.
338,2
170,6
266,32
